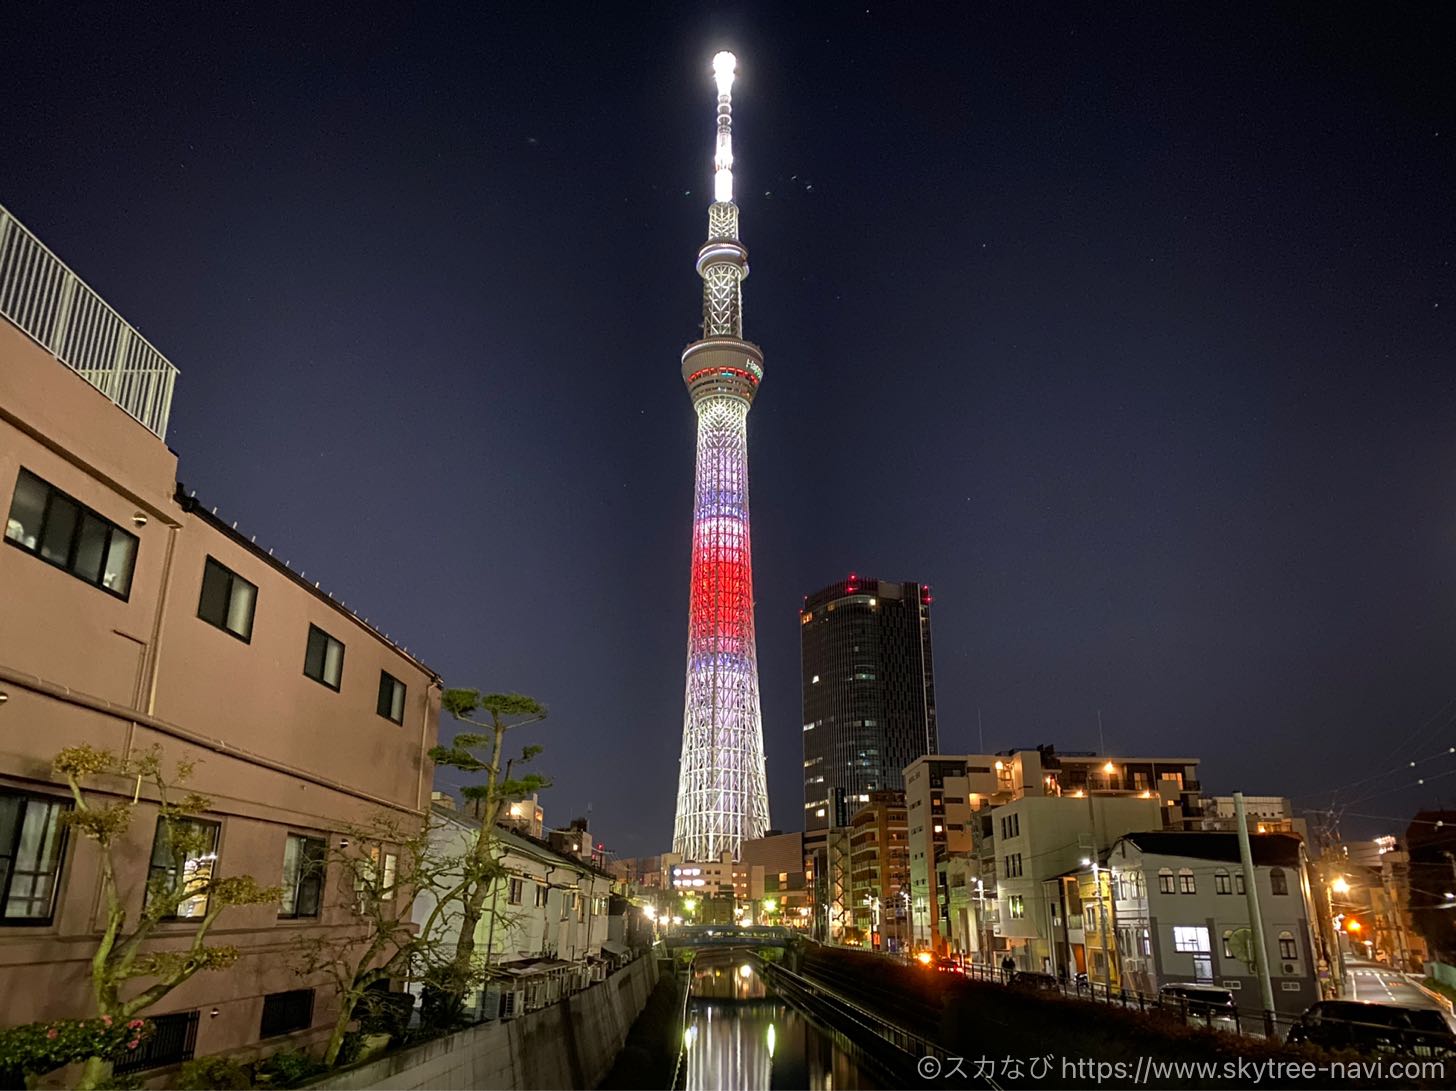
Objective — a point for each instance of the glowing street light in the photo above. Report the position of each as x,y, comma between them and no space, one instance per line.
1341,885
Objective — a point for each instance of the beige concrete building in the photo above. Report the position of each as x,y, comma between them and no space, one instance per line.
134,617
954,856
880,872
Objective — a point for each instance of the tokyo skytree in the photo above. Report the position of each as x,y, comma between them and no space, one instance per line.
722,795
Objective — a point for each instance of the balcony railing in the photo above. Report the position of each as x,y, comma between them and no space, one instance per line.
60,312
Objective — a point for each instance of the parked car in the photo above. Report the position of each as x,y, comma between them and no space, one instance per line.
948,966
1202,1005
1029,979
1375,1028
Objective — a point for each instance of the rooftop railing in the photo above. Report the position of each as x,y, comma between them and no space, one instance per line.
62,314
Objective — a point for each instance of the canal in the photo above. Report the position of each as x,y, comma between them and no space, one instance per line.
739,1036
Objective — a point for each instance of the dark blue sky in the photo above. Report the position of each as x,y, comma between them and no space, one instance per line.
1130,330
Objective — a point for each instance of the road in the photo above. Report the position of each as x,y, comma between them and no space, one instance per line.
1373,982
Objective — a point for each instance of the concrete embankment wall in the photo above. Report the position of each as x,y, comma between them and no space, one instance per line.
571,1044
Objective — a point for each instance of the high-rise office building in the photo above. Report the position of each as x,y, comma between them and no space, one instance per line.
868,693
722,796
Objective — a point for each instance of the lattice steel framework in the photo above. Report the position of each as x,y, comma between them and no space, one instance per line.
722,790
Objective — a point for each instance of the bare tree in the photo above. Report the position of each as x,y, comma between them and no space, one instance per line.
382,868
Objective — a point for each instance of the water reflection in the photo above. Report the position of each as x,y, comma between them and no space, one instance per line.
762,1044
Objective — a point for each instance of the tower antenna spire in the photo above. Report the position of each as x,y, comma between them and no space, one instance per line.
724,67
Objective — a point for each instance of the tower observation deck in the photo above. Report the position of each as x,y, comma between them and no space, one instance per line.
722,797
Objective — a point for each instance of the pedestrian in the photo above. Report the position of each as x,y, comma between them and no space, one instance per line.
1008,964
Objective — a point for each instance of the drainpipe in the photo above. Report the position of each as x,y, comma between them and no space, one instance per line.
155,658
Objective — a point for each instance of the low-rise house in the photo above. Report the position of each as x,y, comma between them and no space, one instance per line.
1182,915
545,929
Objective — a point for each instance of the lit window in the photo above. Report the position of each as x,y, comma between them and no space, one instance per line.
227,600
814,681
1287,949
184,853
324,659
1186,882
61,531
1190,938
1165,881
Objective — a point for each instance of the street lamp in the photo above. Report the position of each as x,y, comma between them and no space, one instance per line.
1340,885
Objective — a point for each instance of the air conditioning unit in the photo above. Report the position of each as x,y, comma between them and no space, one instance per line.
501,1003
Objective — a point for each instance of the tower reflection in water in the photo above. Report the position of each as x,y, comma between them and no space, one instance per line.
740,1038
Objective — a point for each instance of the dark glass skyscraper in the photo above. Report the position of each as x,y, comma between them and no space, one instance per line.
869,693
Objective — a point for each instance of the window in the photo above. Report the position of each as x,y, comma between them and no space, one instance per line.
64,532
1013,865
1186,883
172,1041
32,841
1016,907
184,856
1165,880
227,600
324,660
1203,967
284,1013
1011,825
1278,884
515,891
1222,882
303,875
1287,949
391,697
1228,935
1190,938
1238,882
541,895
373,882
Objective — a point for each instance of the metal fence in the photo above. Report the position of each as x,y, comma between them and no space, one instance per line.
62,314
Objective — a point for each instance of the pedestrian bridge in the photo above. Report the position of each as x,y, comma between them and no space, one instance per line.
701,936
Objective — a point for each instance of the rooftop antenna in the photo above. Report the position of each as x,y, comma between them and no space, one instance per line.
980,731
1101,741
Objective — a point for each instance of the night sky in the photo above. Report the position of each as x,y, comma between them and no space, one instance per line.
1130,330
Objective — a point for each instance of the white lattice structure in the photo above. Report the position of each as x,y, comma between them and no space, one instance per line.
722,797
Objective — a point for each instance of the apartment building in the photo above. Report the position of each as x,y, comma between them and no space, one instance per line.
1262,814
1039,840
135,617
879,854
954,857
1182,914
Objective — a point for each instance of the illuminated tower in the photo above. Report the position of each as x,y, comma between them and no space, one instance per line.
722,795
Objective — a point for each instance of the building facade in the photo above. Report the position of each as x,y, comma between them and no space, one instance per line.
880,872
868,693
136,618
722,797
955,853
546,927
1182,914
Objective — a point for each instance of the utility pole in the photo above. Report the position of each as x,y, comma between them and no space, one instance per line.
1256,919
